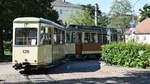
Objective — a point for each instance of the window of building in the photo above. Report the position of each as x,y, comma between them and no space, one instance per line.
137,37
60,11
144,38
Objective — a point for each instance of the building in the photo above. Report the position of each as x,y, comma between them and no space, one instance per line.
129,34
66,9
142,32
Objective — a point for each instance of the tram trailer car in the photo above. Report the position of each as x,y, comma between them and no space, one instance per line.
37,42
84,41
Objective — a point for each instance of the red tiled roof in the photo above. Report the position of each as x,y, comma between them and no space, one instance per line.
143,27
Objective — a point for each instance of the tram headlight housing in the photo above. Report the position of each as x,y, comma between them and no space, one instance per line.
35,61
16,61
25,60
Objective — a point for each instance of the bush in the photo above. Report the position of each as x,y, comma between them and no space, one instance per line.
127,54
8,46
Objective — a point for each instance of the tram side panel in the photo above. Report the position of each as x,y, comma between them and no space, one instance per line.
58,52
91,48
70,49
45,54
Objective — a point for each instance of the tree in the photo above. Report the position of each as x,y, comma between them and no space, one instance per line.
119,14
83,18
120,21
145,12
120,7
86,17
91,9
11,9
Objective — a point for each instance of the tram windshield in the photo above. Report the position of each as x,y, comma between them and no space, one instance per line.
25,36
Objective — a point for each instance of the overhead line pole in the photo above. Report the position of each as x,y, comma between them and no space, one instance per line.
96,9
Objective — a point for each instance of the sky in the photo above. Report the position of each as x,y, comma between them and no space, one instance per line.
105,5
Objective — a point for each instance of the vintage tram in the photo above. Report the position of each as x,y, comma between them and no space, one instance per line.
37,42
84,41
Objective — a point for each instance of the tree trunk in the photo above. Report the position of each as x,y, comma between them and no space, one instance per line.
1,44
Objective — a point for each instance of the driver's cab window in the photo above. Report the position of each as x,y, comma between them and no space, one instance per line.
26,36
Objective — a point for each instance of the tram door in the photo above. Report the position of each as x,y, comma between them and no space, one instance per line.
78,43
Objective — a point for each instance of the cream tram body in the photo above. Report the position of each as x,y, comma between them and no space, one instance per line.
37,41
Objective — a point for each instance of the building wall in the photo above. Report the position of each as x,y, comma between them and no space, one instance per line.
142,38
66,12
66,9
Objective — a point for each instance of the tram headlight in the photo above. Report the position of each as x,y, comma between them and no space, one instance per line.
16,61
26,60
35,61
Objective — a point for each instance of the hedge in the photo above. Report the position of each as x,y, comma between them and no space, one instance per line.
127,54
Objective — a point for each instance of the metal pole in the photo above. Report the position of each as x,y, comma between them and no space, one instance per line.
96,6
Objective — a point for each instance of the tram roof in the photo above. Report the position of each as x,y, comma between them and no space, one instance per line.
79,28
93,29
36,20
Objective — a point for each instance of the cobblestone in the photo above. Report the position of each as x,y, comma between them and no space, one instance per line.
79,72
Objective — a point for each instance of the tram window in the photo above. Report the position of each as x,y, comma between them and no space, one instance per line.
100,38
73,37
87,37
56,36
25,36
93,38
68,37
45,36
59,36
63,37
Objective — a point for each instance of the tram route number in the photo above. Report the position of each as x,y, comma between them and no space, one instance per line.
26,51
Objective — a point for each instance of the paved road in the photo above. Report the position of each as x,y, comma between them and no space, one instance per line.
77,72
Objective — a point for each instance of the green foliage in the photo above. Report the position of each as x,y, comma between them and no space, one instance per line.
11,9
120,7
121,21
83,18
127,54
91,9
118,13
86,17
8,46
103,20
145,12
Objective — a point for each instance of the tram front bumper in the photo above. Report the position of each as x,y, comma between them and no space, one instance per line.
24,65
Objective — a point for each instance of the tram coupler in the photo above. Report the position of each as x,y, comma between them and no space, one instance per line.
23,65
17,66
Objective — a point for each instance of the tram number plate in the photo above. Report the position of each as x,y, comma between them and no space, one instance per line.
25,51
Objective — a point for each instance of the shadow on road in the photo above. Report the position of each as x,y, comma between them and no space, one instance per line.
137,77
68,67
132,78
141,77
